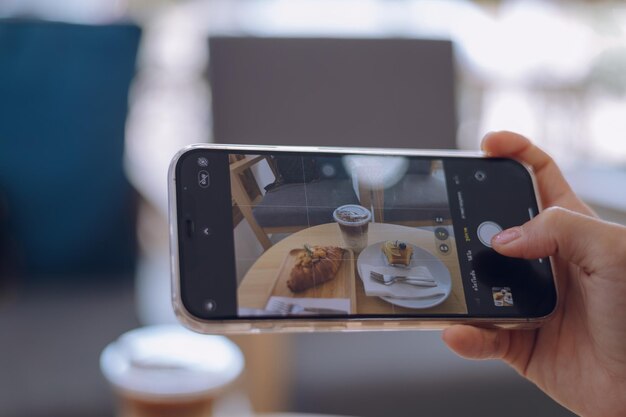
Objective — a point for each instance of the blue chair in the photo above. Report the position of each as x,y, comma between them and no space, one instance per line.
63,104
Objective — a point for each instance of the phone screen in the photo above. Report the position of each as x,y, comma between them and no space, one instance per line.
267,235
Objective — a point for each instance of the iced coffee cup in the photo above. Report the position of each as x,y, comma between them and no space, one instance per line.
168,371
353,222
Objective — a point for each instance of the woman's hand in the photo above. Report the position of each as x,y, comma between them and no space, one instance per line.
578,356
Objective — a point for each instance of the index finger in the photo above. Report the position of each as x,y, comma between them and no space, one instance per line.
553,188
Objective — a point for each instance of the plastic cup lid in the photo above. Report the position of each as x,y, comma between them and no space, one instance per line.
170,361
363,214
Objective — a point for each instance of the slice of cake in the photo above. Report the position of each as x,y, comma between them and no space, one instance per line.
397,253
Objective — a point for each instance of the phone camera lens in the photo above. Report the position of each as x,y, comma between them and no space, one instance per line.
480,176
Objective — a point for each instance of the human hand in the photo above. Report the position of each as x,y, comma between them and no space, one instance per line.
578,356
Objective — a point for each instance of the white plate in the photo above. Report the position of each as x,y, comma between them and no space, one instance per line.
373,256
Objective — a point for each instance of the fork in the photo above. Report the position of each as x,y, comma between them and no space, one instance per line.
292,308
420,282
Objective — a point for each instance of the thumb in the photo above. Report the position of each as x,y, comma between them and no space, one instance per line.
475,343
574,237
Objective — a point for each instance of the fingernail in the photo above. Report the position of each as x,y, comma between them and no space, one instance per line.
482,142
507,236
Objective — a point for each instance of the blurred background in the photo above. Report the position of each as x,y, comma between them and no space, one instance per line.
96,97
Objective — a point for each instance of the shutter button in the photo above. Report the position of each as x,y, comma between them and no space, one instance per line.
486,231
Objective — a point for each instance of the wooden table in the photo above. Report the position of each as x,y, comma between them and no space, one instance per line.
258,283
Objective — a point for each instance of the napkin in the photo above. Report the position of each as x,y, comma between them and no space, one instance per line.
398,289
342,304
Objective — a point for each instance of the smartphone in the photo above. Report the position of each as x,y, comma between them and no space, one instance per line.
269,238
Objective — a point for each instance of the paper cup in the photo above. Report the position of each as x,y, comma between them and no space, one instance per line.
164,371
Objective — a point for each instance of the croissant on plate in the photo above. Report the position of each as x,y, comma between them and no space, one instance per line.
314,266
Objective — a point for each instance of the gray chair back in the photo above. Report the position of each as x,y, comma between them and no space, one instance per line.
333,92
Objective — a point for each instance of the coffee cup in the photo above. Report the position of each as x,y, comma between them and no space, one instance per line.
353,222
163,371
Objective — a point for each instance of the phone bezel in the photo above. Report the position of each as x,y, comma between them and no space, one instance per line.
238,326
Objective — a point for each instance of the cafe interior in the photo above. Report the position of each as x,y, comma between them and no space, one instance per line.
97,96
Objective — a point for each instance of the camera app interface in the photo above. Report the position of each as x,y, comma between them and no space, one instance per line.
344,235
363,235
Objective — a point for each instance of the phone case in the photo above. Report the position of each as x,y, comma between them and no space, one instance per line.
288,325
